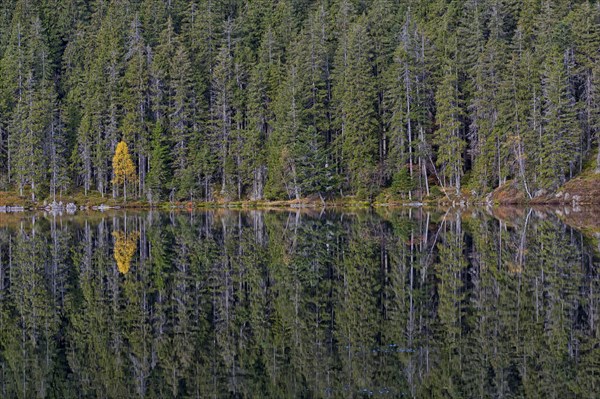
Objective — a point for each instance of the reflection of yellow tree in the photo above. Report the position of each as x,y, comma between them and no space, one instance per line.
125,247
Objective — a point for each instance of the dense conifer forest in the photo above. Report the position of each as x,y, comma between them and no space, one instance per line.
266,99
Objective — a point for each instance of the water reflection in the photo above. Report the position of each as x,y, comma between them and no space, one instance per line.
124,248
278,304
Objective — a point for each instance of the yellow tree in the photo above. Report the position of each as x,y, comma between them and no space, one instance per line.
125,247
123,167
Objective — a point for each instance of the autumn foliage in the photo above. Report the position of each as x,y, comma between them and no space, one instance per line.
123,167
125,247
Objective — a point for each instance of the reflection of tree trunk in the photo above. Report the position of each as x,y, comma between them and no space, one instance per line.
499,251
425,232
435,238
520,154
54,255
411,314
409,127
87,263
521,251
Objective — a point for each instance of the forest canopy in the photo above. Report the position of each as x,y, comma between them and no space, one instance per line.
259,99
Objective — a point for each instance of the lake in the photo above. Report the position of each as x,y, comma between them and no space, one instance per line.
290,303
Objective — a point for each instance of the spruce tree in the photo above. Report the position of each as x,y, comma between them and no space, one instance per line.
283,178
180,121
157,177
560,139
448,134
58,155
257,128
586,36
356,99
30,165
134,98
406,108
221,114
487,135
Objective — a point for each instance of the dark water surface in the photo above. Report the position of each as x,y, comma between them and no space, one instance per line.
274,304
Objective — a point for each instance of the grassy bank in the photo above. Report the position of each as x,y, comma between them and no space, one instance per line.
583,189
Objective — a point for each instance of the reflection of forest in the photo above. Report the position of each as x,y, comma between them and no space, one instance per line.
284,304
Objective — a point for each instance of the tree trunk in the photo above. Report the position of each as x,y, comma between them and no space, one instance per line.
598,156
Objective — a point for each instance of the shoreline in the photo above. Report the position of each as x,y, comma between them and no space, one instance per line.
582,190
71,204
581,216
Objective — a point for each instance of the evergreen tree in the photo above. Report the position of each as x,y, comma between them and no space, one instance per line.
134,99
356,99
515,119
58,156
448,135
30,165
406,110
180,121
283,165
221,113
157,177
586,32
258,126
317,167
560,140
487,134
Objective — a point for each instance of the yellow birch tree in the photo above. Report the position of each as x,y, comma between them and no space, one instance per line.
123,167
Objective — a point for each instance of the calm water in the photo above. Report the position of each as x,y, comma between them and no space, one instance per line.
299,304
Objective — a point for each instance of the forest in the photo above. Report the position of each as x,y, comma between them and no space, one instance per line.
265,99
